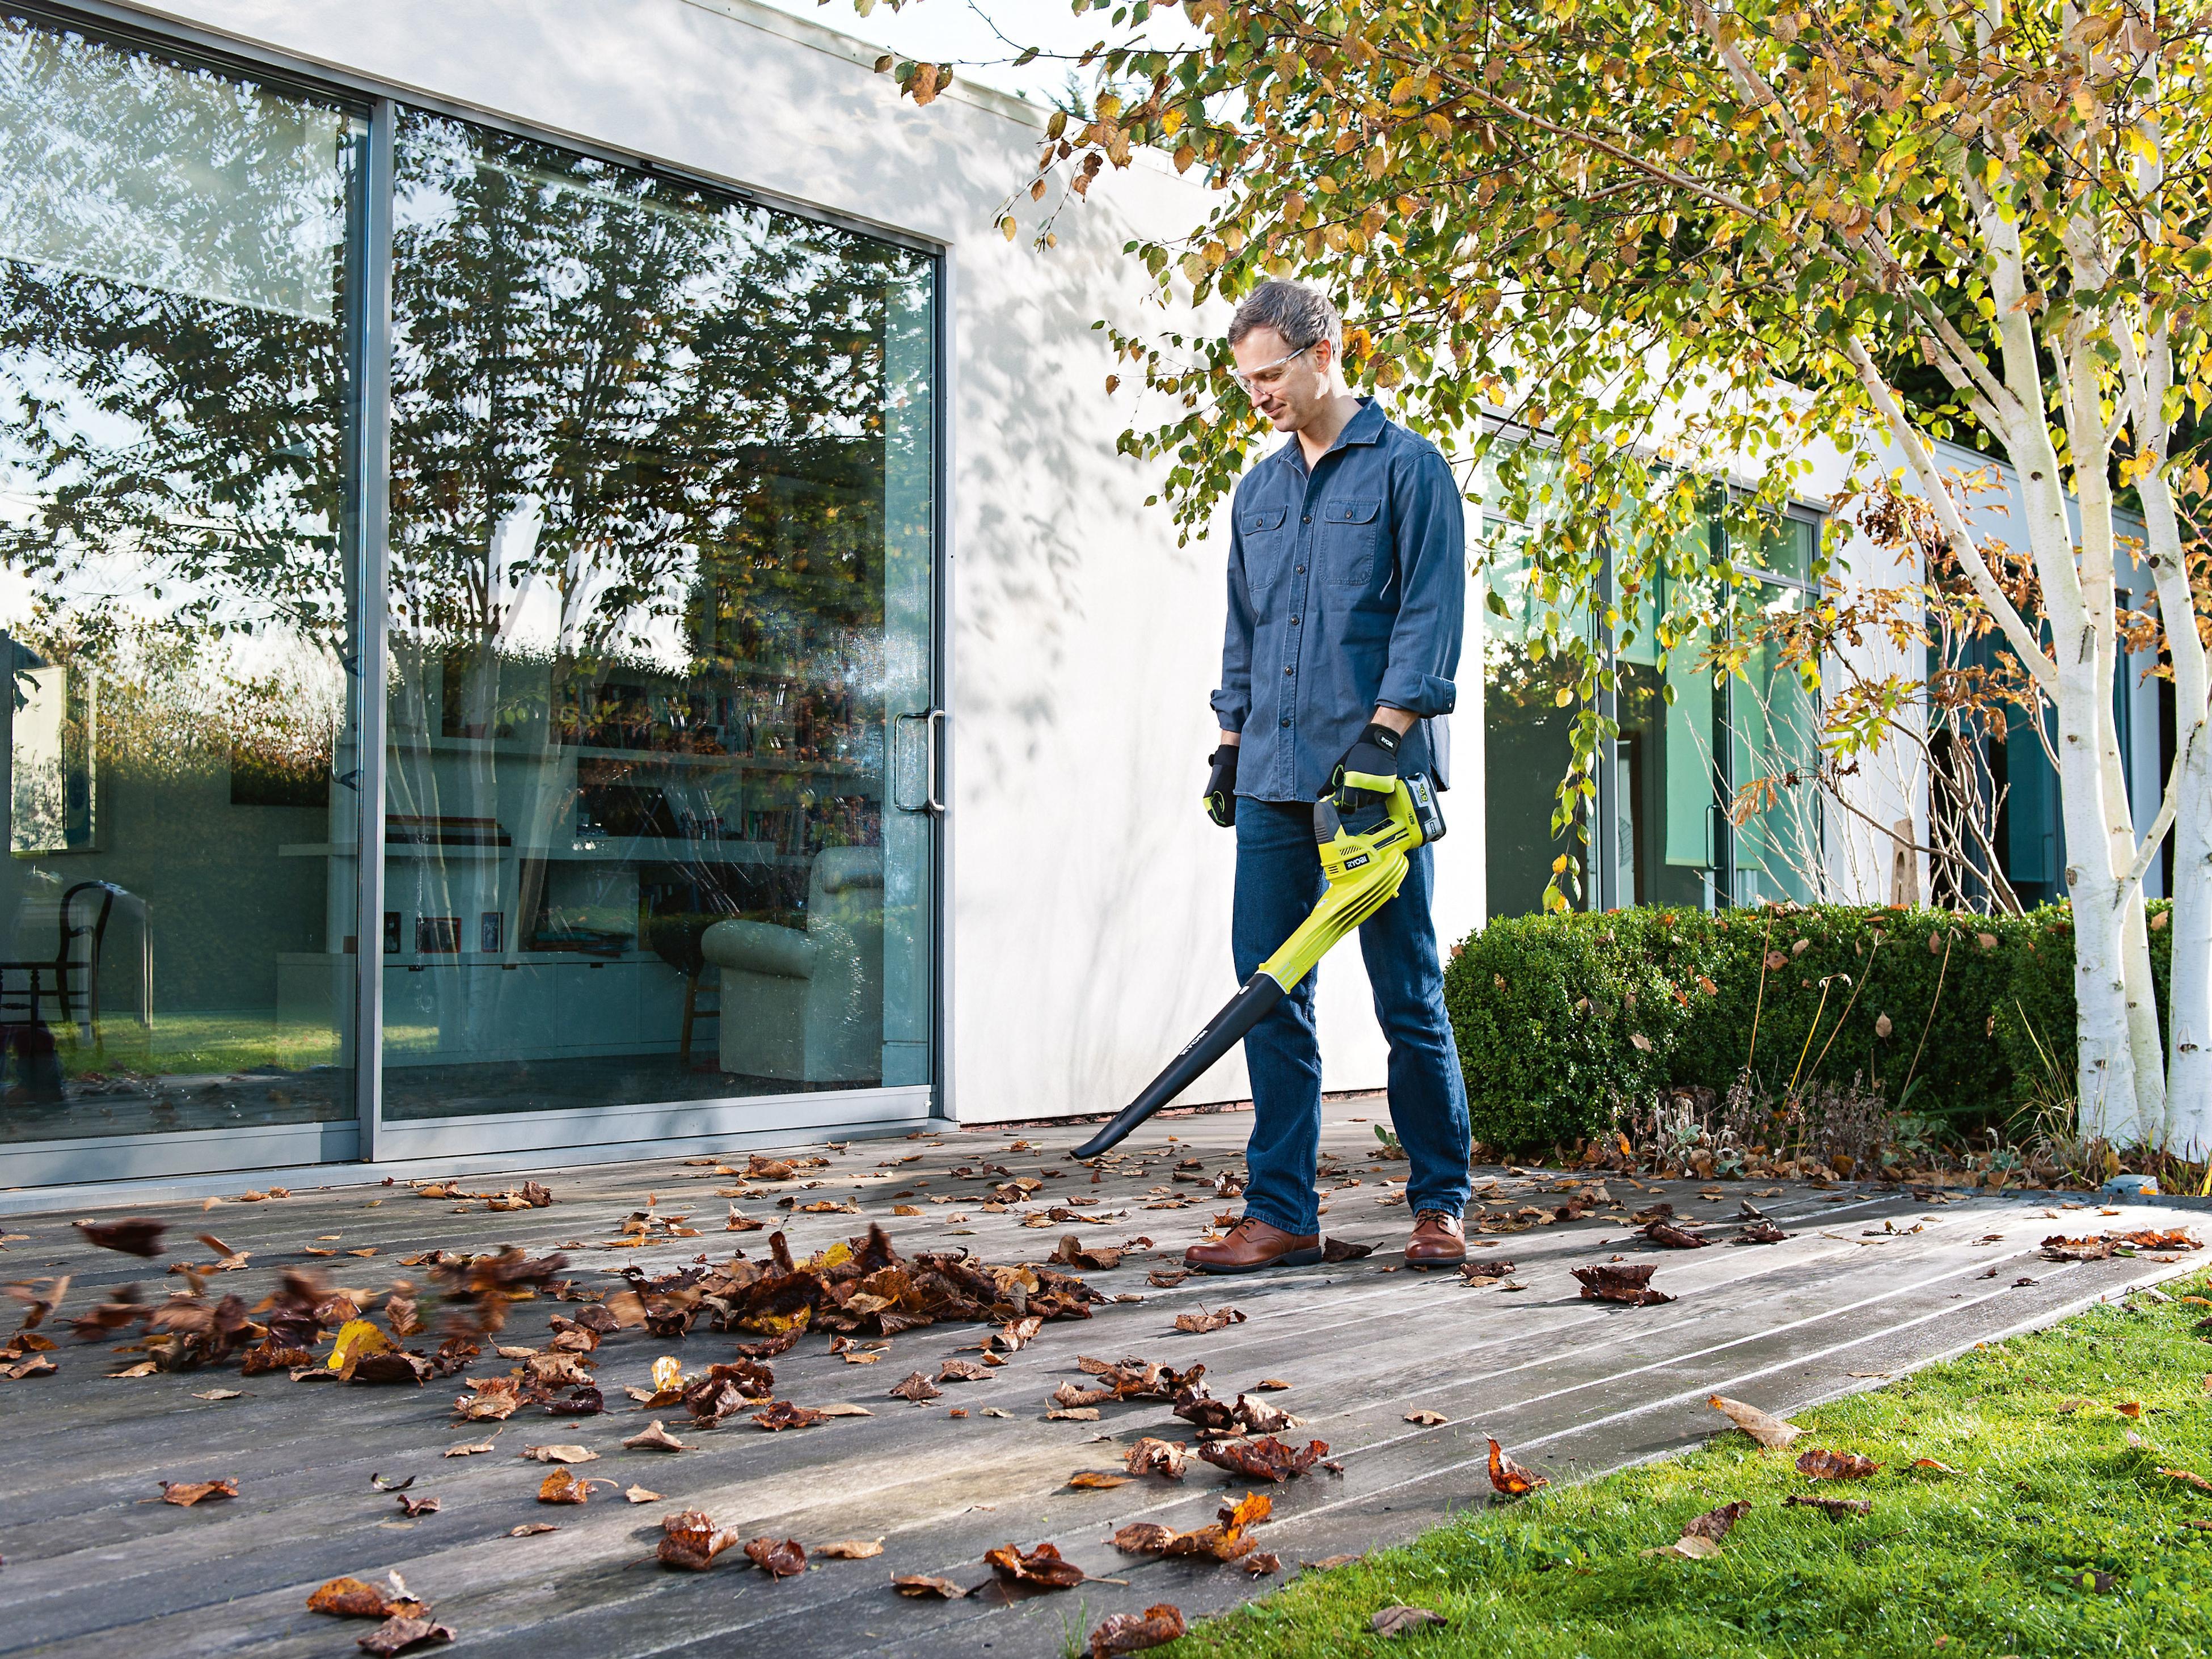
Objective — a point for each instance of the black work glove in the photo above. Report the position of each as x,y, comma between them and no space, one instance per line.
1375,755
1221,786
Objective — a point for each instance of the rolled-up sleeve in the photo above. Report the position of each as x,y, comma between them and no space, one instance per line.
1430,551
1233,698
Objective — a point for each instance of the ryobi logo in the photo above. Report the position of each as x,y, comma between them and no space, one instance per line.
1354,863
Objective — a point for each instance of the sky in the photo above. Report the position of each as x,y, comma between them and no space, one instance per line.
963,32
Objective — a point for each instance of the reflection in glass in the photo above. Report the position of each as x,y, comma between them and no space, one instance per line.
1667,789
1775,758
660,597
1529,737
176,906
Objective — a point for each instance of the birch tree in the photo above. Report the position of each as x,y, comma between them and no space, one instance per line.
1687,243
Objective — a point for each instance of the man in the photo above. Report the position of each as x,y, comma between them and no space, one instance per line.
1347,591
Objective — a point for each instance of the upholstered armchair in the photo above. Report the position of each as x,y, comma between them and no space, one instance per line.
808,1008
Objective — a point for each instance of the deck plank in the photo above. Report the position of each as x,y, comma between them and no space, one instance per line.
1868,1282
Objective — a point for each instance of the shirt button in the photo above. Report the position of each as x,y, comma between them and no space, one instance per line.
1294,622
1307,520
1302,570
1287,719
1287,669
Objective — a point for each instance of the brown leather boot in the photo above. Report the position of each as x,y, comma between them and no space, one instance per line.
1437,1241
1252,1244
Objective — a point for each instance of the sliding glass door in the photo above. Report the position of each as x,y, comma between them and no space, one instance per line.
179,628
661,557
614,624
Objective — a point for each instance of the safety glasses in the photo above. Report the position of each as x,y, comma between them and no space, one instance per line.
1267,376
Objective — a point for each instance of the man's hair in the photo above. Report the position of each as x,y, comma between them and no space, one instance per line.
1301,315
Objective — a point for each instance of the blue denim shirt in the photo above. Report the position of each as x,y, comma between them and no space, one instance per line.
1347,588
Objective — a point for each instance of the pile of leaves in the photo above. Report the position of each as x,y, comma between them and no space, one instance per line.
862,1286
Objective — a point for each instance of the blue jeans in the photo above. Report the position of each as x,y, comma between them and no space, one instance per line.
1279,881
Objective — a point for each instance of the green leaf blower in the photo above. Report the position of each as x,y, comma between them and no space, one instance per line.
1365,863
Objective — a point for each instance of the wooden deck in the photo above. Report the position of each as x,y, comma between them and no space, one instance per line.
1868,1284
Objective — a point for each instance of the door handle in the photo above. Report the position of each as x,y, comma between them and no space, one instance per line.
931,720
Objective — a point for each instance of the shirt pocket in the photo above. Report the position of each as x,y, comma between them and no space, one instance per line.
1350,541
1266,551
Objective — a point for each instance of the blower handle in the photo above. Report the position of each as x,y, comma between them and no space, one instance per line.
1243,1012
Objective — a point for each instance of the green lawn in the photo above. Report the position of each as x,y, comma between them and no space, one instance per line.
1989,1561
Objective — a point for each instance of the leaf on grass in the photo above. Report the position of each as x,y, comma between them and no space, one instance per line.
1628,1282
1773,1433
1264,1458
1509,1477
1820,1464
921,1584
1095,1481
1343,1249
185,1493
1834,1508
916,1387
851,1549
1399,1620
777,1558
1134,1633
399,1635
2188,1478
1044,1565
1932,1465
1716,1523
2130,1409
132,1235
654,1436
1426,1417
691,1541
1690,1546
1198,1324
784,1415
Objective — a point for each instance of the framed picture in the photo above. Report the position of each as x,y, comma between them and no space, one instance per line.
391,933
491,931
437,936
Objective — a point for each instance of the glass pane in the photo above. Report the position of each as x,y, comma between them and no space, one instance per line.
176,600
1529,736
1775,748
661,568
1667,790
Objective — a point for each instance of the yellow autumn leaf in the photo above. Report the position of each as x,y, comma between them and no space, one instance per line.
357,1339
667,1372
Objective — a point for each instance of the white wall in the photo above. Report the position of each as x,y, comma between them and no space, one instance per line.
1091,898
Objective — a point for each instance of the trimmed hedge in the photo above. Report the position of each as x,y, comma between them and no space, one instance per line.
1546,1009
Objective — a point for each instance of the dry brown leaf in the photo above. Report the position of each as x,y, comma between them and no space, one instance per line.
531,1529
916,1387
1261,1564
1043,1565
1690,1546
1095,1481
851,1549
473,1449
1198,1324
398,1635
1398,1620
691,1541
777,1558
558,1454
844,1409
1426,1417
1773,1433
639,1495
784,1415
185,1493
1264,1458
563,1488
2188,1479
1164,1457
654,1436
1834,1508
351,1598
1716,1523
1134,1633
1509,1477
1929,1463
921,1584
139,1235
1628,1282
1820,1464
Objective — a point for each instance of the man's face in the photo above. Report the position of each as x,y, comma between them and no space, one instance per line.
1291,394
